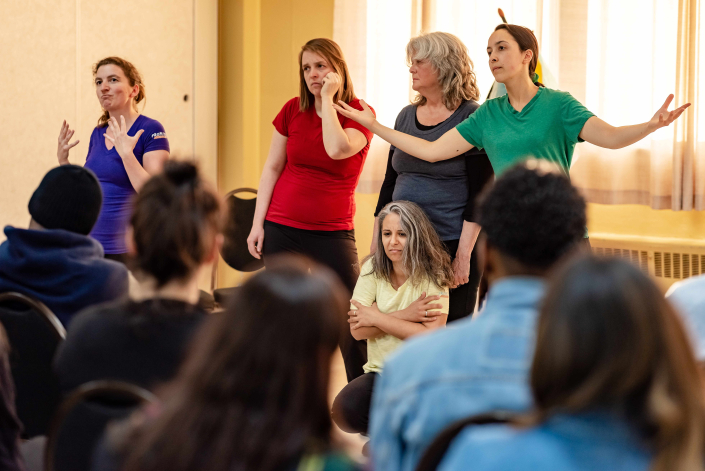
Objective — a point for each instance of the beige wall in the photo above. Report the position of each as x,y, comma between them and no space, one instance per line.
48,50
259,45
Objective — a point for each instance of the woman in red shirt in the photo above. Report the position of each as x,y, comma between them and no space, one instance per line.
306,197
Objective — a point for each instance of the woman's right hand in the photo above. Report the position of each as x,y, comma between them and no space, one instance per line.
423,309
255,241
365,117
65,136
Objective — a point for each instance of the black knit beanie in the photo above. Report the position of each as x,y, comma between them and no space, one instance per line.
69,197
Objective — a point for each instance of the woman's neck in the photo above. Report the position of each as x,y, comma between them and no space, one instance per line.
128,112
520,91
180,290
398,275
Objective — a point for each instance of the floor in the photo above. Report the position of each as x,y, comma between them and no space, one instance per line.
352,443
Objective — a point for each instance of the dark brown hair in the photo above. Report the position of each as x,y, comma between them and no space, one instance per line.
607,339
526,40
175,220
133,77
334,55
253,391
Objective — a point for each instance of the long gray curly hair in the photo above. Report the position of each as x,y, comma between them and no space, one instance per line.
424,257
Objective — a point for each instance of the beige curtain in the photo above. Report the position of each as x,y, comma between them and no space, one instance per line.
373,35
689,132
638,52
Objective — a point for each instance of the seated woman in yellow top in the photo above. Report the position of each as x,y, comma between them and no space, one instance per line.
402,291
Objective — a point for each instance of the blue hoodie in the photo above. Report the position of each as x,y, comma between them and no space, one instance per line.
64,270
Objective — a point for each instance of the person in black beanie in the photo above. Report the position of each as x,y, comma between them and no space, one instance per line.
55,261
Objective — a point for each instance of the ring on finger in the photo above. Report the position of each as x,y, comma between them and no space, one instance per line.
426,313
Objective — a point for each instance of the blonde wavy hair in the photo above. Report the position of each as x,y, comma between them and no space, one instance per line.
450,59
424,257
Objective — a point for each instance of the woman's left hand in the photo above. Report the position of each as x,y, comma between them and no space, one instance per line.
331,84
124,144
461,270
364,316
663,117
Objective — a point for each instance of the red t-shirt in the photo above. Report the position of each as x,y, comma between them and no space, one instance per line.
315,192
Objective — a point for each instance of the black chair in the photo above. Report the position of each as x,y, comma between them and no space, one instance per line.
433,455
34,333
80,422
241,213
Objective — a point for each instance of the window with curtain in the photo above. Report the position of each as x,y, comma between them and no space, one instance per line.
621,59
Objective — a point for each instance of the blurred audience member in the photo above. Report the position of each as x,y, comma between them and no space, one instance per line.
10,426
253,393
688,296
614,382
54,261
174,235
531,218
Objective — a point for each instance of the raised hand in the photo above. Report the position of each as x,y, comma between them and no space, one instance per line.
62,153
663,117
331,84
124,144
365,117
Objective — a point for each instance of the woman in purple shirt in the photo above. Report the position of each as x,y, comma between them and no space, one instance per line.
125,150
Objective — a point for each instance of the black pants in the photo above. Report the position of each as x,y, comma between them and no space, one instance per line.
336,250
351,407
463,298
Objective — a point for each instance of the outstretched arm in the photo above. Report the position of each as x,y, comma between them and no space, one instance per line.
595,131
449,145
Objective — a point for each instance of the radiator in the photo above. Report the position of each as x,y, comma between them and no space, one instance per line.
668,260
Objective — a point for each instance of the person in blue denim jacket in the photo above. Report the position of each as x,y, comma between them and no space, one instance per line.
688,296
614,380
530,218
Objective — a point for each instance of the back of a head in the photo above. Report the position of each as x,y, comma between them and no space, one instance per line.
175,221
607,340
69,197
532,215
253,392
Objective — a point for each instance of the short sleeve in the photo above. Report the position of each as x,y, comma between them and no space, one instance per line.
445,299
155,138
365,291
285,115
348,123
574,115
471,128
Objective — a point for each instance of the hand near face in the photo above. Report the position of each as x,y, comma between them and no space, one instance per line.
124,144
331,84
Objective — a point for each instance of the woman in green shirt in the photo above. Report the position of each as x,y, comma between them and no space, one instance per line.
529,121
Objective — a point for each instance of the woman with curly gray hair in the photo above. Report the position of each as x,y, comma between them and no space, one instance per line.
402,291
443,77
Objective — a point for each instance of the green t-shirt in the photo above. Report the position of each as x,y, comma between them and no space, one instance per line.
547,128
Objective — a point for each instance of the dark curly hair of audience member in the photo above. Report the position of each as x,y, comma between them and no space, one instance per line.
543,203
175,216
253,391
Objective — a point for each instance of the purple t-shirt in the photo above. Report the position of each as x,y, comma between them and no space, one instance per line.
112,223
